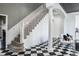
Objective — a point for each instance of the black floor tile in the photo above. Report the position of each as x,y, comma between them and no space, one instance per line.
38,49
33,52
56,50
28,49
21,52
45,51
27,54
40,54
60,55
8,53
43,47
65,49
64,52
52,53
5,51
73,55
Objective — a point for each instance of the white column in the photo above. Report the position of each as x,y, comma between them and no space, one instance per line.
22,34
50,41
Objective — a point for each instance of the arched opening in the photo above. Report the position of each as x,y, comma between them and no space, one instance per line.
57,26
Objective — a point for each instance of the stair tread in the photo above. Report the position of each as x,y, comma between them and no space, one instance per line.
17,42
16,47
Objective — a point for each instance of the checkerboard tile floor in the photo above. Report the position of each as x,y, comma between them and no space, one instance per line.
41,50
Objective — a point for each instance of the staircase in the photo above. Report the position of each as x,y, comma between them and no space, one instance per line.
29,24
16,45
35,21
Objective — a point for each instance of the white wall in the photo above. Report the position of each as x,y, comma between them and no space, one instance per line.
77,25
77,21
69,25
39,34
58,26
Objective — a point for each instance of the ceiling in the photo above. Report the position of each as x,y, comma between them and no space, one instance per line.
70,7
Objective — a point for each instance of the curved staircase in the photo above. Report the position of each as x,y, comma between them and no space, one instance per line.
16,45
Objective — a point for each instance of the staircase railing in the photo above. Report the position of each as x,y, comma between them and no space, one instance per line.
34,20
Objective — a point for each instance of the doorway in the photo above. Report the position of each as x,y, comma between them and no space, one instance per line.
77,32
3,30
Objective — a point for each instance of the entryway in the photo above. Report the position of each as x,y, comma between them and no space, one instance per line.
3,30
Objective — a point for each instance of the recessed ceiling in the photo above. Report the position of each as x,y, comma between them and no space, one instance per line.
70,7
